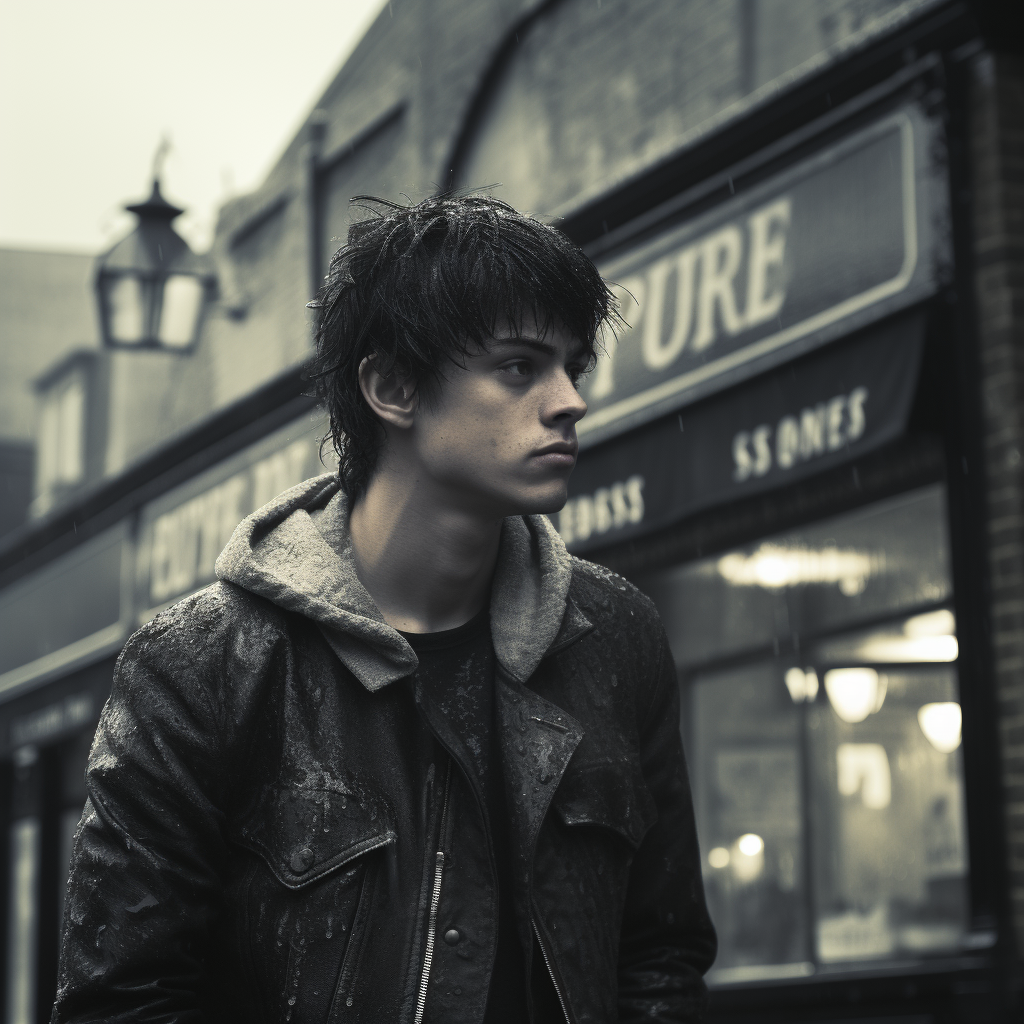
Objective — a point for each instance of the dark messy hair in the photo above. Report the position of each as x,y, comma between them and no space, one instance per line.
418,286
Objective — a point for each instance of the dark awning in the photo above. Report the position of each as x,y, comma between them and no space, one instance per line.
808,416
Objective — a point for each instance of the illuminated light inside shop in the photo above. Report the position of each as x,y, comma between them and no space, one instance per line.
750,845
855,693
774,567
941,723
923,638
747,857
863,770
802,684
719,857
937,623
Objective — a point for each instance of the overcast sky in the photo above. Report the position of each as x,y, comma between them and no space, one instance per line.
89,87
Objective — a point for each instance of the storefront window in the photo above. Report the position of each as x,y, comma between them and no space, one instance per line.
822,724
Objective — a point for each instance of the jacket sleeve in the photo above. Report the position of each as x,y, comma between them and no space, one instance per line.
146,873
668,941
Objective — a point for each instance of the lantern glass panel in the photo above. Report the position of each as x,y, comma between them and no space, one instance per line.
183,296
127,308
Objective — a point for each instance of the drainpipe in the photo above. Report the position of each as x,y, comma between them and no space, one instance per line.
312,151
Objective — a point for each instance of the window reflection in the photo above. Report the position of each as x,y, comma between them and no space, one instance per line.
887,820
822,723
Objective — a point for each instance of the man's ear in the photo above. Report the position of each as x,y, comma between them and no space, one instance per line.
393,398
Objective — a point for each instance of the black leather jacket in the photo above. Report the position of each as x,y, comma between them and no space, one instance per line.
267,838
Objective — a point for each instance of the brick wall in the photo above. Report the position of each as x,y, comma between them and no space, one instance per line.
593,92
998,171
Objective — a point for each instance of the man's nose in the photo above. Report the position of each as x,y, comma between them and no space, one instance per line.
565,402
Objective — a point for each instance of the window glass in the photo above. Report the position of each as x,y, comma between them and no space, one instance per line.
183,296
885,558
748,793
822,725
127,310
887,816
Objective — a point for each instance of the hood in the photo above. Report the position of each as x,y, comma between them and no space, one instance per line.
296,552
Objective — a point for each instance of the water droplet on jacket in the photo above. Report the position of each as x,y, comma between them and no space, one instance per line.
330,934
291,1000
348,1002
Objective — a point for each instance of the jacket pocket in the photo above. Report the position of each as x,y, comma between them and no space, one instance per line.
304,834
609,794
319,853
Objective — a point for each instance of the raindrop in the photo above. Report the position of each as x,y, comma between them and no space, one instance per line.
330,934
291,1000
348,1002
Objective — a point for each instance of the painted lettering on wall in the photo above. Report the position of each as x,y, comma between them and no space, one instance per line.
607,509
53,720
826,427
187,540
690,298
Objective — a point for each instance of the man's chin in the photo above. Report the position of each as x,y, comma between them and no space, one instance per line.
551,500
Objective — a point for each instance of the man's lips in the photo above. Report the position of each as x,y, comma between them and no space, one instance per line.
562,453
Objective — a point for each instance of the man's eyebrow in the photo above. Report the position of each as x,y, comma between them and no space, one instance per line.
540,346
578,352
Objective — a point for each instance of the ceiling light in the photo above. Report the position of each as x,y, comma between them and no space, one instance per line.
855,693
941,723
750,845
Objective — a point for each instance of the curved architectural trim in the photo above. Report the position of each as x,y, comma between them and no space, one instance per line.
485,88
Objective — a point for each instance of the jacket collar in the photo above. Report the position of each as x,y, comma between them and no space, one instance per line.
296,552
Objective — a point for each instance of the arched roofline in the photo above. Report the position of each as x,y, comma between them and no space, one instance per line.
487,86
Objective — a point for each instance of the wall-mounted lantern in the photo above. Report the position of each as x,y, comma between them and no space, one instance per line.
151,287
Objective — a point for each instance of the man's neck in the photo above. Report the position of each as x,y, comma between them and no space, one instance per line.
426,564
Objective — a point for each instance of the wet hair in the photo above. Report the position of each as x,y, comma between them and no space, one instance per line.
418,286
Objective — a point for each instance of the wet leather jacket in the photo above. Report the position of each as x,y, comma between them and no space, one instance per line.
272,836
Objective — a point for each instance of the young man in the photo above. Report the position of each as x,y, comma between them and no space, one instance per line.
408,761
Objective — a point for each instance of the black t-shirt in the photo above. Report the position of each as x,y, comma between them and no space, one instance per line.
456,671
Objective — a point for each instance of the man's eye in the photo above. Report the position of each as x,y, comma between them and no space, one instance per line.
518,368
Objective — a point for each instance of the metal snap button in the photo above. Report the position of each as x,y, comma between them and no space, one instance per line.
452,936
302,860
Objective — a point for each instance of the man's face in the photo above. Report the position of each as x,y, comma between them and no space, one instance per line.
497,437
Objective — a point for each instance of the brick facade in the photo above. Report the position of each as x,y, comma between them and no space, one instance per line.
998,171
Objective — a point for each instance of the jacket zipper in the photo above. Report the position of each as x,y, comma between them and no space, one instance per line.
551,974
435,899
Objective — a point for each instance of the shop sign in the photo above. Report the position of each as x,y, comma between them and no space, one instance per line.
57,719
182,534
845,237
807,416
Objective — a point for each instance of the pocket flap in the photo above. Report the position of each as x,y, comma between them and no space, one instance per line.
305,833
613,795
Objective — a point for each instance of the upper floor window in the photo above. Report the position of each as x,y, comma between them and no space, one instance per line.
60,457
